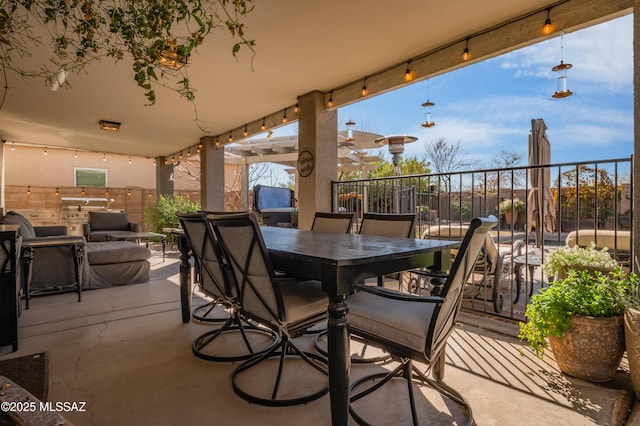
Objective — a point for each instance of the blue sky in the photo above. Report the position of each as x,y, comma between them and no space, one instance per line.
487,107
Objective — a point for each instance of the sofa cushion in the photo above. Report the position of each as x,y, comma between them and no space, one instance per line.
103,253
109,221
26,229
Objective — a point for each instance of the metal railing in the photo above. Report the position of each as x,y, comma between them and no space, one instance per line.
584,201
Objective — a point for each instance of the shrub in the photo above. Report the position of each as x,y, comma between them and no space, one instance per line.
163,213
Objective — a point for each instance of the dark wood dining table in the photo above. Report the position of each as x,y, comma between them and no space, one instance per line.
339,261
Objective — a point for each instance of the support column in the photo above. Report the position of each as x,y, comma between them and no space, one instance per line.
164,177
317,134
244,184
635,166
211,175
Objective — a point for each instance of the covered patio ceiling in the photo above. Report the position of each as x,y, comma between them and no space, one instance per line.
330,46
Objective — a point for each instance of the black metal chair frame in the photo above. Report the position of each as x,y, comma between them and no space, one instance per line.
441,325
241,263
221,292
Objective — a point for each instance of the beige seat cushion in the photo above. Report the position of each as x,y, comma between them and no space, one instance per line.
398,321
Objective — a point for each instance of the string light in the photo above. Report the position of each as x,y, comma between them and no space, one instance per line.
75,155
173,158
13,147
230,137
330,103
465,54
129,159
284,117
548,27
245,133
57,191
408,74
45,150
82,192
296,109
180,156
128,191
264,126
364,87
154,161
106,191
29,190
104,157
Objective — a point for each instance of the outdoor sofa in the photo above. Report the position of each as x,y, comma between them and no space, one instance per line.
104,264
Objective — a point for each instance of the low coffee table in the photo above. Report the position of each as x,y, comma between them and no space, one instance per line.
138,236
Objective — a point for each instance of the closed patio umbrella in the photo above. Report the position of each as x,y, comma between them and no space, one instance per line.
541,212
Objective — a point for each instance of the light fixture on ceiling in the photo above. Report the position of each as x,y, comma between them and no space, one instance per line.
408,74
548,27
29,190
264,125
561,69
296,109
57,191
364,91
75,155
245,133
284,117
130,160
13,147
230,137
465,53
170,58
112,126
104,157
45,150
330,102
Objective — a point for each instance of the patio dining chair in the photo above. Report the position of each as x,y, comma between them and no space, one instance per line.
286,305
413,328
216,280
338,223
388,225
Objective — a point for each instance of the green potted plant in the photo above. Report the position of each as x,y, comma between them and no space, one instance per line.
511,208
559,262
632,333
581,318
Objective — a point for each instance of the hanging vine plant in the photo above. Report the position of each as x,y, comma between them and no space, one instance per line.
159,35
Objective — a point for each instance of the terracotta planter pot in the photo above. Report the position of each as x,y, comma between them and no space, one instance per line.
632,340
511,217
591,349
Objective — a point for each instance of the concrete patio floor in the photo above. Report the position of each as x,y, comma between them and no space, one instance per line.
126,352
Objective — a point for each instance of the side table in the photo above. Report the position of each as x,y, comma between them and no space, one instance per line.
532,261
76,246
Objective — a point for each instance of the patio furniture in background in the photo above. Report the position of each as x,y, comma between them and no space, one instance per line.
216,280
415,328
337,223
388,225
532,261
275,205
288,306
618,242
101,223
138,237
51,260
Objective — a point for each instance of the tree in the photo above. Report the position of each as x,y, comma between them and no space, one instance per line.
158,35
505,179
446,158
